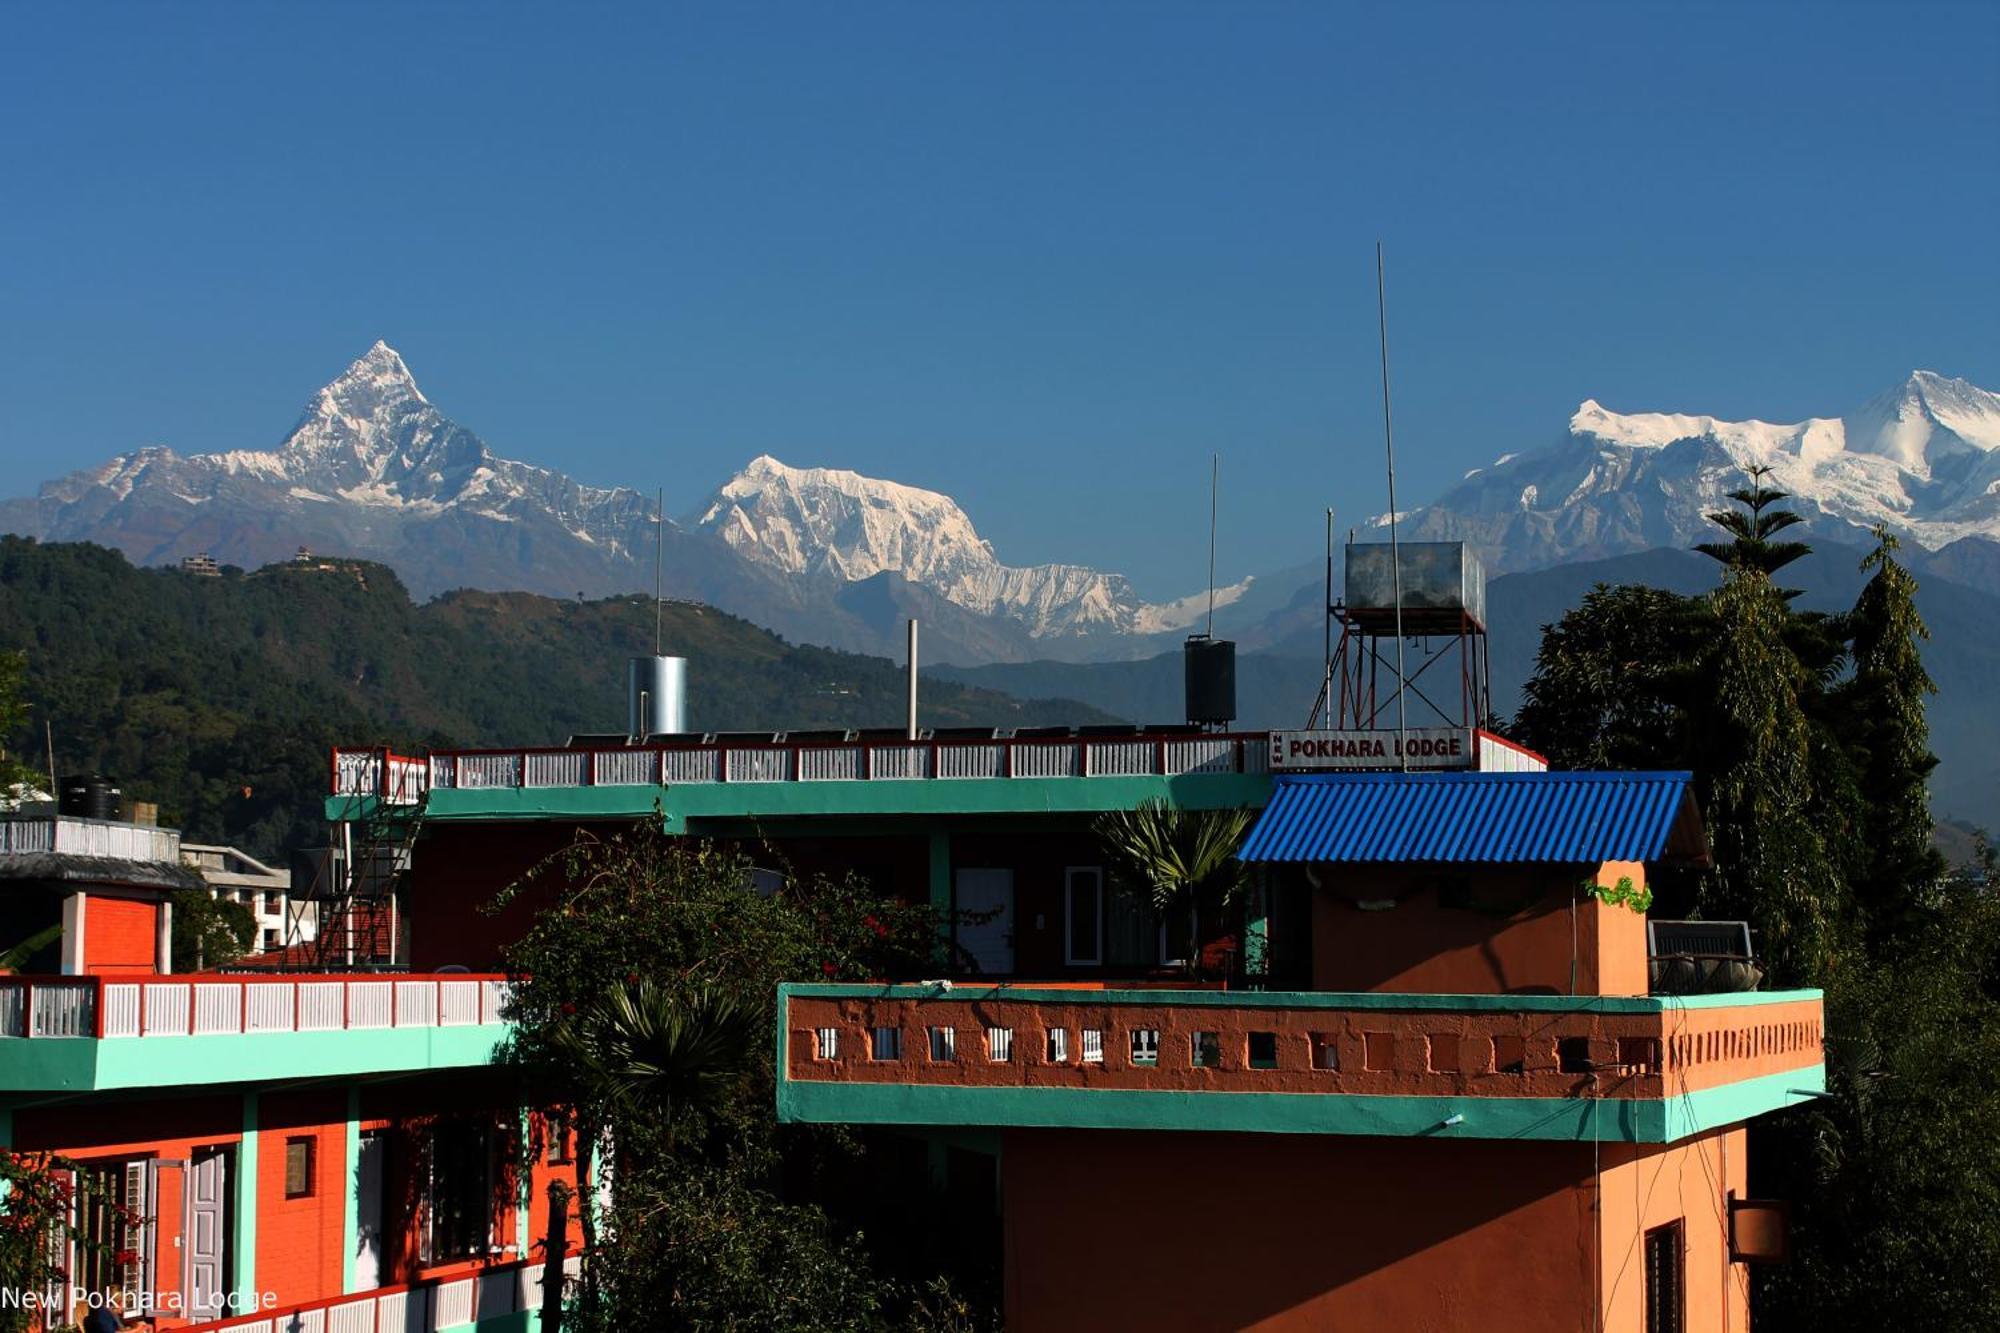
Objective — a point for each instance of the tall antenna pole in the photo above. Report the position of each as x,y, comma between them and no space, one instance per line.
1395,552
659,564
1326,616
1214,478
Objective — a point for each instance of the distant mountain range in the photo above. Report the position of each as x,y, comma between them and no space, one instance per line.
373,469
1922,460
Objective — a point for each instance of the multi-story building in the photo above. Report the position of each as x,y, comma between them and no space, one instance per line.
267,892
1421,1079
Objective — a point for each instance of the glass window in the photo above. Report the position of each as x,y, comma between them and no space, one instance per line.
1083,906
298,1168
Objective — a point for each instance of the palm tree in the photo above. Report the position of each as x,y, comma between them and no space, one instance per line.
1178,858
641,1052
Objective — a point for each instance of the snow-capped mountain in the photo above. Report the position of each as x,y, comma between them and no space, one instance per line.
1922,459
822,523
373,469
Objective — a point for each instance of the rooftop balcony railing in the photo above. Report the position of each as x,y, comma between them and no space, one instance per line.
73,835
1045,1056
203,1005
401,779
461,1300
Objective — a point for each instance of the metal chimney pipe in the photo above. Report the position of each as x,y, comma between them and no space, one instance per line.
910,729
655,696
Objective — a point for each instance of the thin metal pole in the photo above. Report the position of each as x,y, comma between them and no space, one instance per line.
1214,479
910,727
1395,552
659,564
1326,619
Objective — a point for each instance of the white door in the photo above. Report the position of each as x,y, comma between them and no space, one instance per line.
368,1211
989,895
207,1195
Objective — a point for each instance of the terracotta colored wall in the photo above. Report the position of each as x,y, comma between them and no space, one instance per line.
1646,1186
456,870
301,1243
1510,931
120,935
1102,1232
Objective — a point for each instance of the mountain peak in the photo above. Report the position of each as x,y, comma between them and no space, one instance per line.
378,375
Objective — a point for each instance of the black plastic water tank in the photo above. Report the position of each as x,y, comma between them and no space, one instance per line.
1211,680
88,796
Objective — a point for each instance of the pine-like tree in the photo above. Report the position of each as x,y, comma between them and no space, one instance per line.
1751,546
1883,720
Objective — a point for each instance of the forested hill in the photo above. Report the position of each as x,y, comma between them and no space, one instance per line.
219,697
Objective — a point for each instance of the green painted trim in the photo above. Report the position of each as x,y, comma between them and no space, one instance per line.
744,800
350,1206
244,1237
88,1064
1622,1120
1215,999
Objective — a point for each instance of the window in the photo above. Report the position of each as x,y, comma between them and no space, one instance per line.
298,1168
886,1044
1573,1055
1263,1050
100,1188
1145,1046
1093,1045
1207,1050
270,939
1326,1054
1083,916
1058,1046
999,1044
458,1221
1131,931
826,1043
944,1044
560,1141
1510,1055
1665,1299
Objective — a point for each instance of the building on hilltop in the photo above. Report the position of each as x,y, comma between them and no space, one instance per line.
203,565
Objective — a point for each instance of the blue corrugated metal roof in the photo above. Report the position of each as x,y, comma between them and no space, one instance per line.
1504,817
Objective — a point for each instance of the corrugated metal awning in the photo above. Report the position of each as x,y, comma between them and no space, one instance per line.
1519,818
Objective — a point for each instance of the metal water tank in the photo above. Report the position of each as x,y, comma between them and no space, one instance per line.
1210,666
655,696
88,796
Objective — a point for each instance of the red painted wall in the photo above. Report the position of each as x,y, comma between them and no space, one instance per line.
457,869
301,1242
1114,1231
120,935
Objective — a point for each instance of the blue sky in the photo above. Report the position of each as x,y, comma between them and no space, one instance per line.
1042,257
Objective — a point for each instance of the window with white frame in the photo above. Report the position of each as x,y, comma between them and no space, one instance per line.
999,1044
1058,1046
826,1043
1083,916
944,1043
886,1044
1093,1045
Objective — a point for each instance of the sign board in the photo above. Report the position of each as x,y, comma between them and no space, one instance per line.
1428,747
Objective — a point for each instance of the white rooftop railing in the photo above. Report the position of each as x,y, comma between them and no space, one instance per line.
400,779
208,1005
73,835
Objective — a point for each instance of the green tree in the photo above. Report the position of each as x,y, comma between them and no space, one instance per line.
1614,680
1884,707
1182,861
210,932
1753,528
644,1007
13,720
1757,786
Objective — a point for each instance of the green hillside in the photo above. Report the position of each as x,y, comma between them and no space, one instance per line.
219,697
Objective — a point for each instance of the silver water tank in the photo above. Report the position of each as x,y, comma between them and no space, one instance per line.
655,696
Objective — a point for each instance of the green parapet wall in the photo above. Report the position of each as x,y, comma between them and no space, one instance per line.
88,1064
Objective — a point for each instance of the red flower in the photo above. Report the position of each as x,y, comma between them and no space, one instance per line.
828,968
125,1257
881,931
569,1006
631,978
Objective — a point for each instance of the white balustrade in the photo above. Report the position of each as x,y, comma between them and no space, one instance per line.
121,1009
489,770
832,764
1133,758
759,764
1203,754
690,766
899,761
626,768
986,759
167,1008
13,1011
268,1006
218,1008
369,1004
416,1004
322,1006
458,1003
556,768
1048,759
451,1304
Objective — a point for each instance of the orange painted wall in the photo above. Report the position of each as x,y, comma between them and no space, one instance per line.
120,935
1112,1231
1646,1186
301,1242
1509,931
